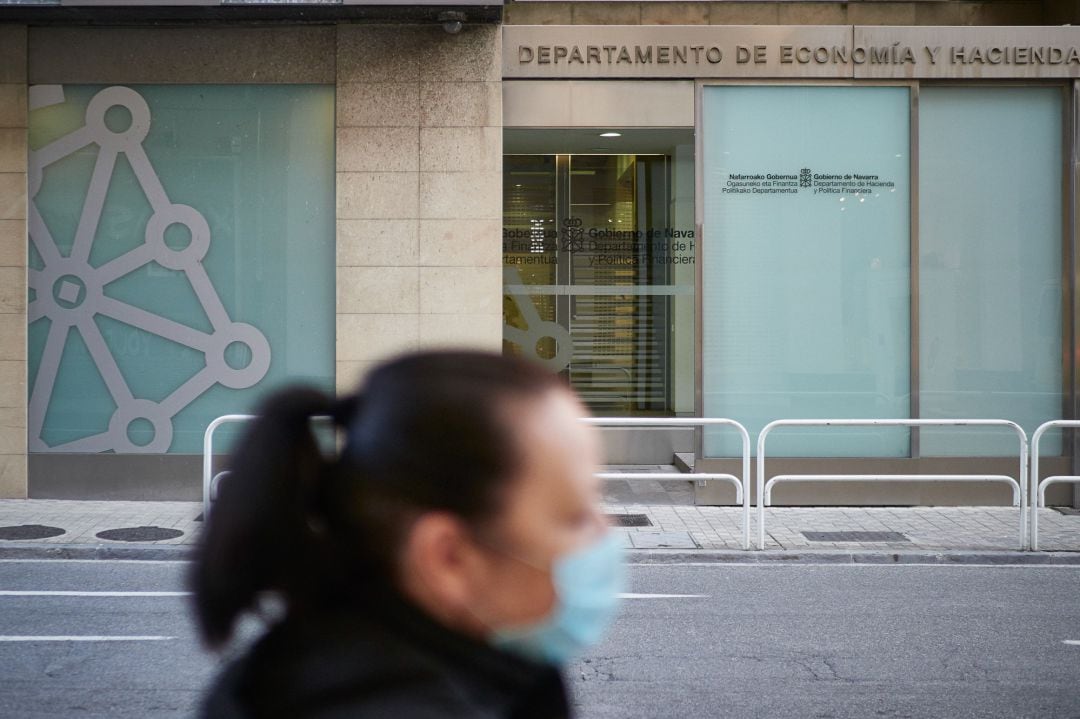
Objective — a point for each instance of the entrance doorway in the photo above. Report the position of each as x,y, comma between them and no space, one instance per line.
599,260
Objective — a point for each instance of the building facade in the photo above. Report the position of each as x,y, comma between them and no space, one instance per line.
755,210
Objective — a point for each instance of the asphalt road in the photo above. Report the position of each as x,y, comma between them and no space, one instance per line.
831,642
826,641
59,678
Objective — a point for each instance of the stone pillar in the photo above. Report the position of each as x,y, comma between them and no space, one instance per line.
419,205
13,124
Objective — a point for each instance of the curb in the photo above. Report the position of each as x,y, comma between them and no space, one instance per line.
134,551
769,557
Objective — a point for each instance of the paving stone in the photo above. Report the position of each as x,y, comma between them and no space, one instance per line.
674,524
656,540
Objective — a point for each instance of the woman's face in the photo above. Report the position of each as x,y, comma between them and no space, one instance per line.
552,508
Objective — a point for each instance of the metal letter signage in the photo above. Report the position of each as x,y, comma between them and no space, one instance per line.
973,52
802,51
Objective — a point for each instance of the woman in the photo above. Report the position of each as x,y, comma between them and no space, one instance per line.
444,564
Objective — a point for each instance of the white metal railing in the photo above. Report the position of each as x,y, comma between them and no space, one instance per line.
742,487
764,490
1038,488
210,480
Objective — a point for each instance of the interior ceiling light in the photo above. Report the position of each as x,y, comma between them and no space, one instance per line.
610,134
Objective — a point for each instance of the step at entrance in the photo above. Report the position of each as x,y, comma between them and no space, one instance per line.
638,488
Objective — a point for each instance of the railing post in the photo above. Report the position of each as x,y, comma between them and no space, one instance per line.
1038,487
1024,539
761,482
208,456
1033,483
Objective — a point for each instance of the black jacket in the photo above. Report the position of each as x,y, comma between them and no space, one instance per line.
381,658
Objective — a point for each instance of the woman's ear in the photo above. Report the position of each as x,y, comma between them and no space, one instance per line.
440,564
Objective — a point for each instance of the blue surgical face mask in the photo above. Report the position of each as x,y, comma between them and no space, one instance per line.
587,586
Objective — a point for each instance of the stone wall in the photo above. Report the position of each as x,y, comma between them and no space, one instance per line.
785,12
12,261
419,192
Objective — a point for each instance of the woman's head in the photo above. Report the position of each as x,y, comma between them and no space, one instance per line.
462,476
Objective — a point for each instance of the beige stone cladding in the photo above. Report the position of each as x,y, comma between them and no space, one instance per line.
794,12
12,261
419,177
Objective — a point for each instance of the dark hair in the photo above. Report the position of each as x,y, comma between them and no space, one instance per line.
427,430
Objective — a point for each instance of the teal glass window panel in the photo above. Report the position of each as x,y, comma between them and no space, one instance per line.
182,239
989,263
806,278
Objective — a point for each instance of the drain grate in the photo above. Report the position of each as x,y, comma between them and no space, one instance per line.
629,520
855,537
29,531
139,534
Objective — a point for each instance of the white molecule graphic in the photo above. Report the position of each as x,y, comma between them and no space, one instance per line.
70,292
529,339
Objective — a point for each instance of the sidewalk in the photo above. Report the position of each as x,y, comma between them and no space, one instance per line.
76,526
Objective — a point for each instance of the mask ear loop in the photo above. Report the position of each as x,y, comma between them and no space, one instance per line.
479,538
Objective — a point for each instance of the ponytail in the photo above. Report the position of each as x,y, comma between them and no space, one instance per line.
429,431
268,531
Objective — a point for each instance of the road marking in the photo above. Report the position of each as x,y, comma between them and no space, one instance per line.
84,639
785,564
1071,642
660,596
51,593
96,561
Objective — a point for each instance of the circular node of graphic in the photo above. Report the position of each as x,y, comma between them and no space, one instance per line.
66,290
563,347
132,412
199,237
124,97
258,349
69,291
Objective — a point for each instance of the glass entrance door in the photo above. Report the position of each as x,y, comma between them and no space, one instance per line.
619,333
598,267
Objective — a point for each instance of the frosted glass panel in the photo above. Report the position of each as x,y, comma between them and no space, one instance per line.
181,258
990,262
806,275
